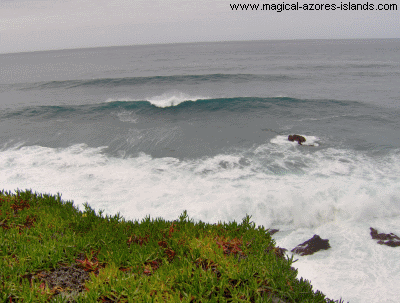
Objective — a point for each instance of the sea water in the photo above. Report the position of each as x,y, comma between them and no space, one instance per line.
159,129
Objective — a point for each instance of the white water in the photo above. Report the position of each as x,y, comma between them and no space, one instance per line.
334,193
172,98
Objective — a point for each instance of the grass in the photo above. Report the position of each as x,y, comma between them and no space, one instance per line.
52,252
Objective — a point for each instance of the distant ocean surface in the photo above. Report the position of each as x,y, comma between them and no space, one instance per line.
159,129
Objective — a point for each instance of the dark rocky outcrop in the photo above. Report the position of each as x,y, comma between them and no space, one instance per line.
385,239
272,231
298,138
311,246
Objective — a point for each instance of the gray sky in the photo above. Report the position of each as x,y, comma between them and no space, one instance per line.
30,25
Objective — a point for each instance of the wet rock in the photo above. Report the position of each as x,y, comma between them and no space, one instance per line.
298,138
311,246
385,239
272,231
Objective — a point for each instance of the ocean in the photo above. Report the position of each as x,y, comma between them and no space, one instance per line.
203,127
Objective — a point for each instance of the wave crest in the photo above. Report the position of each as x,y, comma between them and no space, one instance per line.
165,100
173,99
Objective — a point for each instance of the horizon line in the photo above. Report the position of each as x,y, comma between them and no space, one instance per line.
196,42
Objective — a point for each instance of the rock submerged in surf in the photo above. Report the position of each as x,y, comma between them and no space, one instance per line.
298,138
311,246
272,231
385,239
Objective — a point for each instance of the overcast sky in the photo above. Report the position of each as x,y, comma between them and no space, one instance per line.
30,25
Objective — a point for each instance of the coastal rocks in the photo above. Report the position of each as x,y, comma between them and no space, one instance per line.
311,246
385,239
272,231
307,248
298,138
315,244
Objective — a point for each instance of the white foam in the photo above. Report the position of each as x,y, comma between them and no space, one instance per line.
167,99
339,195
355,268
173,99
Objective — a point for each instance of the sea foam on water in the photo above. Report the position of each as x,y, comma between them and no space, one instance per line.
335,194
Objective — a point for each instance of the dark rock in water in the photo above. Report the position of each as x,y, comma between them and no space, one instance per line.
272,231
298,138
385,239
311,246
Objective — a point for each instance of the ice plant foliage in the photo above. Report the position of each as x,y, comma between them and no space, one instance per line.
51,251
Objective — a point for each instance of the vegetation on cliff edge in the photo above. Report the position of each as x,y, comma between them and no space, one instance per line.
50,251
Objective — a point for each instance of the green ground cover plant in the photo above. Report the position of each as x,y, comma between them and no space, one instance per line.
50,251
